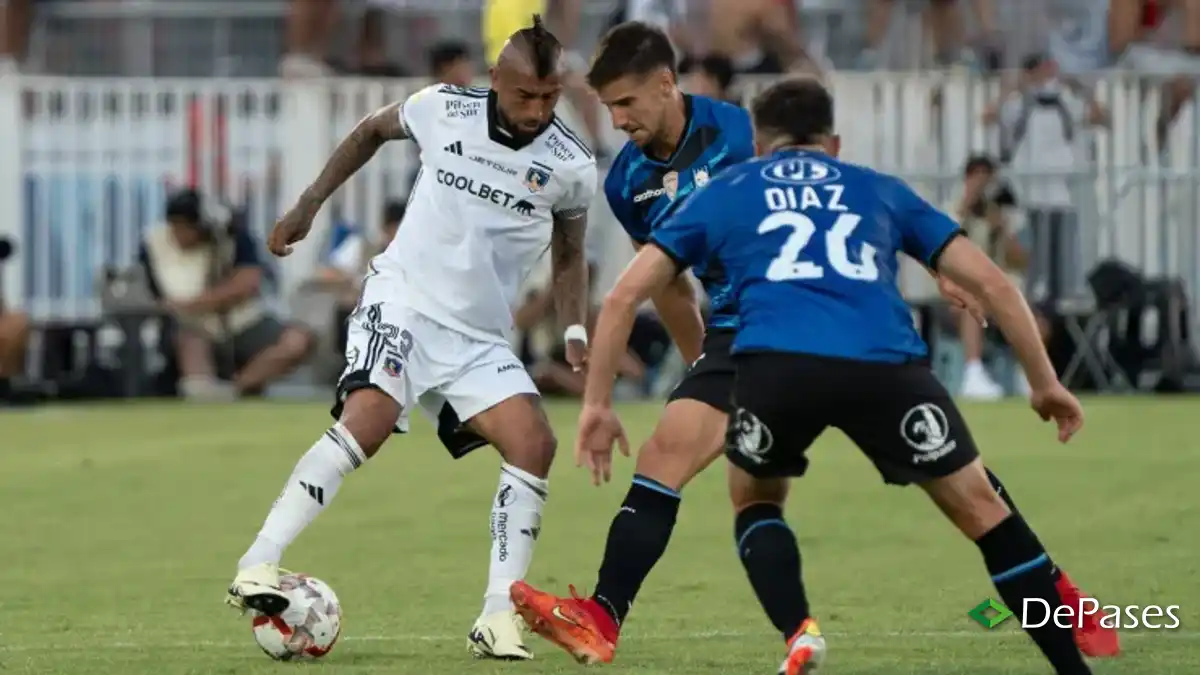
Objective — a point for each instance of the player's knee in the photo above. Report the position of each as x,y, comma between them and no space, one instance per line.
667,461
968,499
746,490
370,416
534,452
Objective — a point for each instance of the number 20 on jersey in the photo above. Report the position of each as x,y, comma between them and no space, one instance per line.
785,205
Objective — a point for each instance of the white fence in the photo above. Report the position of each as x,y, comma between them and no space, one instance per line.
87,162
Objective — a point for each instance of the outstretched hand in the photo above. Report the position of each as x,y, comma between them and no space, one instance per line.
1058,404
599,428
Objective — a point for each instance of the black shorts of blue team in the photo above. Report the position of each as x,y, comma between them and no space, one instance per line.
710,379
899,415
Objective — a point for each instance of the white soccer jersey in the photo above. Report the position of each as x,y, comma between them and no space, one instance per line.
481,210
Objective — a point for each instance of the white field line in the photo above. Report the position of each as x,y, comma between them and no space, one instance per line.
106,644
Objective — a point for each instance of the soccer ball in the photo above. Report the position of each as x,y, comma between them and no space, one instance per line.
309,627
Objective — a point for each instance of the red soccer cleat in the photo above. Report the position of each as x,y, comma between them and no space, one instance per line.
1092,638
576,624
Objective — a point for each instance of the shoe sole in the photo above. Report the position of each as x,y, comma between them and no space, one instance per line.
266,604
578,647
487,656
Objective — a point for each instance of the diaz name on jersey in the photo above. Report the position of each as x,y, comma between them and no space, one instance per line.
481,210
810,244
643,192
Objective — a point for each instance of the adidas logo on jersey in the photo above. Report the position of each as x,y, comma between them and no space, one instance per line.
454,148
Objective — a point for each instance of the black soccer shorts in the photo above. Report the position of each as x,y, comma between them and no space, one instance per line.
710,378
899,415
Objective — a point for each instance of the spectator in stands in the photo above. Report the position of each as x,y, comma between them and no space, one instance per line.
944,19
14,335
309,26
982,211
1158,38
758,36
16,19
450,63
710,76
371,49
204,267
1041,125
668,15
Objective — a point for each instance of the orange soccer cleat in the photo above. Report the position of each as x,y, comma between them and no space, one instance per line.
571,623
1093,639
806,650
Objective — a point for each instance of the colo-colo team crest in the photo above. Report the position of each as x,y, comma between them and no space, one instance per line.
537,177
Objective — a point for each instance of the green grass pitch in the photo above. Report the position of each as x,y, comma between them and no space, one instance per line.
121,526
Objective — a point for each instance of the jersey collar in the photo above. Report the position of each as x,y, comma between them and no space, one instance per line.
499,134
687,129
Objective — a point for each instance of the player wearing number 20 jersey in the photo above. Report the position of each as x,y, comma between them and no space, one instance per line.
818,273
825,339
810,244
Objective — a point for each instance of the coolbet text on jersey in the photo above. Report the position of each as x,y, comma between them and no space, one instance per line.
809,246
644,192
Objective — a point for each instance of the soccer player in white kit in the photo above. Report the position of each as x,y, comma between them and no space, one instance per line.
502,181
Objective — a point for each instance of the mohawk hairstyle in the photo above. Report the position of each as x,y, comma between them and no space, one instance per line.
543,47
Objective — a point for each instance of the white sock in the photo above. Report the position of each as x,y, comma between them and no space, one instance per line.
516,524
311,488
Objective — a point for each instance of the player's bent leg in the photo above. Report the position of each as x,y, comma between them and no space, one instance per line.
518,428
368,418
770,553
1093,638
688,437
370,404
935,449
1018,563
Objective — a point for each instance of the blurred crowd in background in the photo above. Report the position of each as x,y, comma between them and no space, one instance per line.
1040,61
259,38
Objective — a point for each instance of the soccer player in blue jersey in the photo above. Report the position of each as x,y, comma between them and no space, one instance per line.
677,144
809,244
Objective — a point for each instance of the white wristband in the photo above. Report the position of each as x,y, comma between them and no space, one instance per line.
576,332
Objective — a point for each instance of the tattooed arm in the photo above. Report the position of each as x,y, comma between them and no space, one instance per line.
568,264
352,153
381,126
